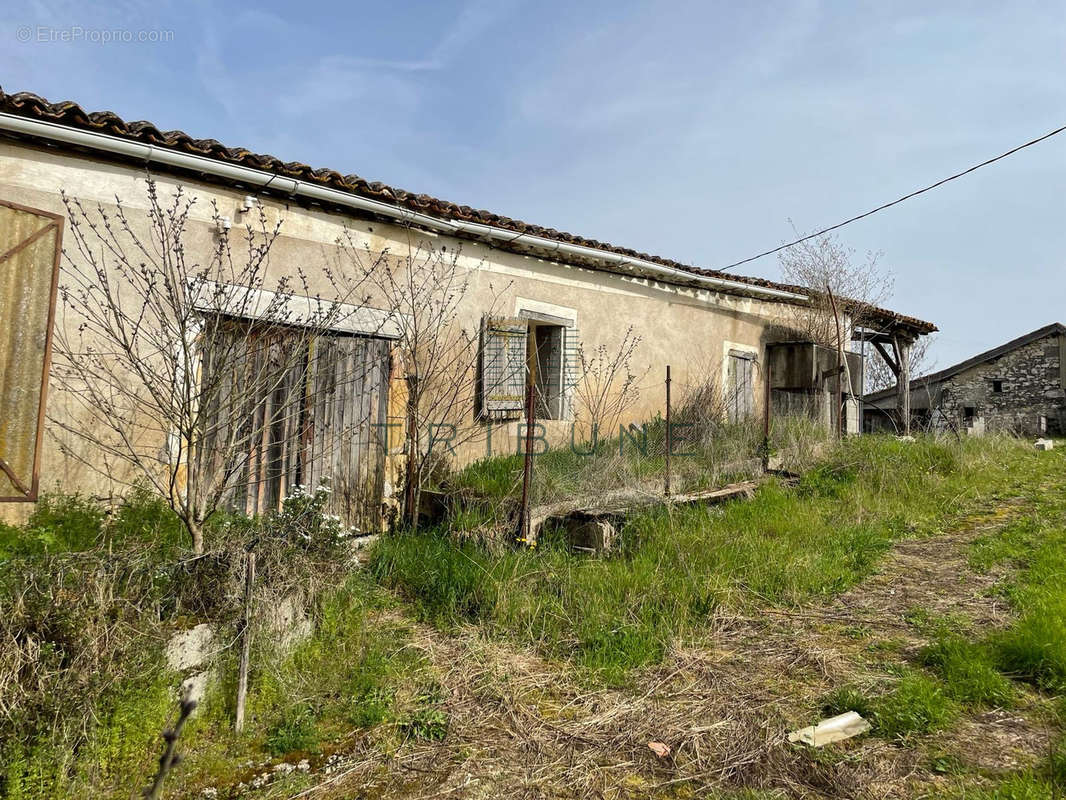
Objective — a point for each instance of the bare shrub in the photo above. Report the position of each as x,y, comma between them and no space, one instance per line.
182,361
825,265
607,386
423,288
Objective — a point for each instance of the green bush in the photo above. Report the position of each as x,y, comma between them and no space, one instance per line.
59,523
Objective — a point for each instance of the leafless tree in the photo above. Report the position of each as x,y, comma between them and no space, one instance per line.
606,386
185,364
920,362
826,263
423,287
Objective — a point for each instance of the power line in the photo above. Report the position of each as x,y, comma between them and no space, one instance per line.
895,202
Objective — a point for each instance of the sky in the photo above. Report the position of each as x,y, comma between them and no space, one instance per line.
704,132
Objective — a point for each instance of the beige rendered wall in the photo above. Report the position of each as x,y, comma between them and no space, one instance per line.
692,330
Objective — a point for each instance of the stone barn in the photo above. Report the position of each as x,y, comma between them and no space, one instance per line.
1018,387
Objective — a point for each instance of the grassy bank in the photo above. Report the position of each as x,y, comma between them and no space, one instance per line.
88,599
674,567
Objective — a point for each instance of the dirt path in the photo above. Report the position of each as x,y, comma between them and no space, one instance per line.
521,727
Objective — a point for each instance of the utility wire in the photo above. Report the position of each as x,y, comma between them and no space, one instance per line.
895,202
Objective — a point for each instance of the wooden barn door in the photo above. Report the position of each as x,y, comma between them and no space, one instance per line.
30,247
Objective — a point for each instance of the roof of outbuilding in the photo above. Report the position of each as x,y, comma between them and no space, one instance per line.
989,355
71,114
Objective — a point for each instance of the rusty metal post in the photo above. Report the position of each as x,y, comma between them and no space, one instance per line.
527,467
669,436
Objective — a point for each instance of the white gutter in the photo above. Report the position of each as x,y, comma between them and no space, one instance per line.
489,232
263,180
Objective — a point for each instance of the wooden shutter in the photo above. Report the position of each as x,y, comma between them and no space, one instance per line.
503,367
304,409
549,376
344,434
30,246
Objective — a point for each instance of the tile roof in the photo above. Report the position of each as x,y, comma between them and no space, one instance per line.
72,115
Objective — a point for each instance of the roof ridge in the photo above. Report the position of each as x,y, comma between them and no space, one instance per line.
70,114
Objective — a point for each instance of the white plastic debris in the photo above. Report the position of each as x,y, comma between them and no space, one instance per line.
1044,444
834,729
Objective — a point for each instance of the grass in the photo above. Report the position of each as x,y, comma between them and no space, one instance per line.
916,705
631,459
1033,648
968,671
360,682
675,567
90,593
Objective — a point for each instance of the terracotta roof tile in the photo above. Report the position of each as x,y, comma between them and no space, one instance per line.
72,115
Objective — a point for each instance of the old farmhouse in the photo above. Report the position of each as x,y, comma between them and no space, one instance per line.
533,293
1018,387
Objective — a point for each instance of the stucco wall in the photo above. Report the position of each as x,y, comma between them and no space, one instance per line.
692,330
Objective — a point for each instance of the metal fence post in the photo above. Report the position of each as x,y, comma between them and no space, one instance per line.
527,467
669,436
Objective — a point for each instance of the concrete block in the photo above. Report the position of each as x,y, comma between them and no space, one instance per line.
190,648
1044,444
593,534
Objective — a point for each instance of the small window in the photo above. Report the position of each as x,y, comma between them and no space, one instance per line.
997,386
969,412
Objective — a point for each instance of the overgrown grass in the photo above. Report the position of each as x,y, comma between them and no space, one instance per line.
1033,647
916,705
89,596
631,459
676,566
968,671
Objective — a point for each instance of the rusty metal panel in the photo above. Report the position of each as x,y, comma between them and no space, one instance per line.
30,246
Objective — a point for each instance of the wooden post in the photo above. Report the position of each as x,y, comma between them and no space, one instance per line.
246,642
669,436
840,365
903,381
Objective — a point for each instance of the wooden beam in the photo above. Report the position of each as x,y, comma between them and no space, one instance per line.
892,363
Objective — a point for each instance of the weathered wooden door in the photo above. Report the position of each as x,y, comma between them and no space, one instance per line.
345,439
740,387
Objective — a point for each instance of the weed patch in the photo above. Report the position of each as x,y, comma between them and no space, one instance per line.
676,566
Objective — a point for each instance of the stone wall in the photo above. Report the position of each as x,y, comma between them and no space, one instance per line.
1018,392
